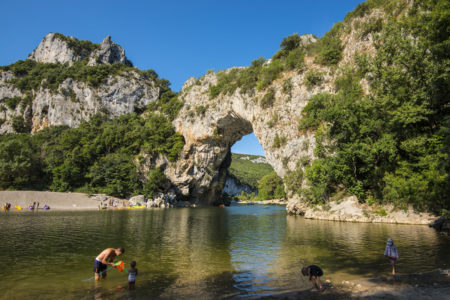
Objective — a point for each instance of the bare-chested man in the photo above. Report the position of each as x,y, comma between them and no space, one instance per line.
105,258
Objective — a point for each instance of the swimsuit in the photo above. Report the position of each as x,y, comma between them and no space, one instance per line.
131,277
99,266
315,271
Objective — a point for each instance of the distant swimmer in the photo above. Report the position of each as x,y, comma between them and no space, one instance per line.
105,258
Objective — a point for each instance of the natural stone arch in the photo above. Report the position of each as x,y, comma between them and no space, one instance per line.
211,126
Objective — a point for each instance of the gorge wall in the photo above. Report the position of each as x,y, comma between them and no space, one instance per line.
66,81
73,101
210,126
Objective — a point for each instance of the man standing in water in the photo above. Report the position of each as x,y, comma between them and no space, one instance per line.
105,258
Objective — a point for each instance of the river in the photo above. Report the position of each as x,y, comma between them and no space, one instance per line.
203,253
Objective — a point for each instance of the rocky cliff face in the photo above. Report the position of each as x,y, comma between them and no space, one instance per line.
57,48
233,187
211,126
74,101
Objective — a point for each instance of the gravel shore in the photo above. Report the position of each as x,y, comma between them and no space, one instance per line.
59,201
430,285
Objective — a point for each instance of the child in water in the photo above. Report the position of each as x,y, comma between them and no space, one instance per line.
391,253
314,272
132,273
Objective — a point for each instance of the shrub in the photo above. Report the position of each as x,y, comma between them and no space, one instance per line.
371,26
200,110
294,180
155,182
20,125
295,59
330,47
82,48
269,73
287,86
313,77
279,141
268,99
272,122
12,103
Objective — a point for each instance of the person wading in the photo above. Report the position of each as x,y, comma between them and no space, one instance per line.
104,259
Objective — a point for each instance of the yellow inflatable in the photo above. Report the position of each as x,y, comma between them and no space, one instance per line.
139,207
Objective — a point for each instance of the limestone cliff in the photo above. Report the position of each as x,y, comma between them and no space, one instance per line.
72,101
211,126
219,108
57,48
233,187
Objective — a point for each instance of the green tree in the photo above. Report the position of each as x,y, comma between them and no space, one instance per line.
271,187
156,181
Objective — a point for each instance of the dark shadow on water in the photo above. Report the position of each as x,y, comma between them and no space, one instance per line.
145,289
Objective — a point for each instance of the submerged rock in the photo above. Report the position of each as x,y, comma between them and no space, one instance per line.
442,225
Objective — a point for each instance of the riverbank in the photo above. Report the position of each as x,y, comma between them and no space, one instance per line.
264,202
56,200
350,210
430,285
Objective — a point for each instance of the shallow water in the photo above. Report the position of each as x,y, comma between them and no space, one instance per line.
206,253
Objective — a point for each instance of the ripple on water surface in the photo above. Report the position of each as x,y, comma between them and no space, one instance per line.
203,252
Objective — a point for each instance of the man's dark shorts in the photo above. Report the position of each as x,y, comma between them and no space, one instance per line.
99,267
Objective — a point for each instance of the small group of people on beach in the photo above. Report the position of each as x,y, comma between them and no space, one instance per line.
106,257
6,206
314,272
33,206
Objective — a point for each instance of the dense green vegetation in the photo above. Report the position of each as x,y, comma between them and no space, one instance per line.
271,187
81,48
392,146
261,73
98,156
31,75
247,171
257,175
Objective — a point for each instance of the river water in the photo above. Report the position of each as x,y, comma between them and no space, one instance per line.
203,253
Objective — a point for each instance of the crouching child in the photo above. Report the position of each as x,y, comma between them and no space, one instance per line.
314,272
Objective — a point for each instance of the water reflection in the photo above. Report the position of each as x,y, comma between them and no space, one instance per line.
205,253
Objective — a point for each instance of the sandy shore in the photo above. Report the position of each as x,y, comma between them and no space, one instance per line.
59,201
431,285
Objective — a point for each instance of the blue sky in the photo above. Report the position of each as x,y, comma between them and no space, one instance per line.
178,39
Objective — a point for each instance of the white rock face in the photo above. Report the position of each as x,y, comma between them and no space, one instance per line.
211,126
74,101
54,50
108,53
209,136
77,101
234,187
350,210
